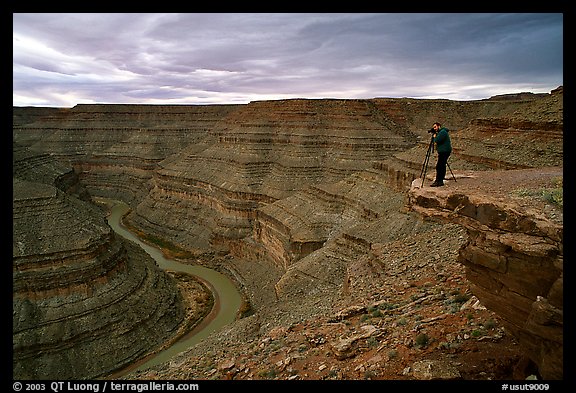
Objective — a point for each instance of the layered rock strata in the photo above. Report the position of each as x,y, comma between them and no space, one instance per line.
263,152
349,221
44,168
257,153
520,131
294,227
297,185
514,255
85,302
115,148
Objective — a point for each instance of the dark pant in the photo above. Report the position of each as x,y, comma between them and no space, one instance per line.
441,166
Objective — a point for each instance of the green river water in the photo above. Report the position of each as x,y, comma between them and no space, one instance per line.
229,297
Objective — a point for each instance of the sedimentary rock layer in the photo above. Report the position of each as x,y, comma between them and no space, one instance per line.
298,184
225,161
262,152
84,301
115,148
514,255
44,168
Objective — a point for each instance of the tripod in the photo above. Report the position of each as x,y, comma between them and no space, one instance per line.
427,160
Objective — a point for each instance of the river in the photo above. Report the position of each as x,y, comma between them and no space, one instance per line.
226,294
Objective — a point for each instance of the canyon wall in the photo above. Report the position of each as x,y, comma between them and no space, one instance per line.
514,255
85,302
308,187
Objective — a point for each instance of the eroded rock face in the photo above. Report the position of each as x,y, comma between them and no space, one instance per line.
115,148
303,187
260,153
514,255
85,302
201,176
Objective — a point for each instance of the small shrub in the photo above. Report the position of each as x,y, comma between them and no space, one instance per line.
448,346
275,345
490,324
268,374
522,192
554,196
372,342
421,340
461,298
387,306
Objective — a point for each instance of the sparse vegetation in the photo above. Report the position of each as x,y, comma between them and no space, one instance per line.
369,374
461,298
553,195
372,342
268,374
421,340
489,324
169,249
388,306
454,303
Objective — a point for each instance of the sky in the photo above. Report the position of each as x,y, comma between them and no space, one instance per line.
60,60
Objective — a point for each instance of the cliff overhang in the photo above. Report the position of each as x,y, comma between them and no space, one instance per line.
514,254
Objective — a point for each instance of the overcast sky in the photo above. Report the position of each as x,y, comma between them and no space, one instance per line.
61,60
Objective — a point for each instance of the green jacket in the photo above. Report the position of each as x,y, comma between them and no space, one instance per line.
442,140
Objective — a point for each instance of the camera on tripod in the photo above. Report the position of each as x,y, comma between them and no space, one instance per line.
427,159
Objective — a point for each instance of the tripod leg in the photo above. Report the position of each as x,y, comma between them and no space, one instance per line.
423,176
453,177
426,161
424,165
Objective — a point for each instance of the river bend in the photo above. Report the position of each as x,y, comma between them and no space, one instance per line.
227,298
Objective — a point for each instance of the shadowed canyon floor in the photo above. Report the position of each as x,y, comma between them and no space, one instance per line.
311,207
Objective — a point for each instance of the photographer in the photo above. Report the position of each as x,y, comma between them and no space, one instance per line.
444,148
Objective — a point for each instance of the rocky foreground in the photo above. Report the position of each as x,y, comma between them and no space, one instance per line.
408,309
349,269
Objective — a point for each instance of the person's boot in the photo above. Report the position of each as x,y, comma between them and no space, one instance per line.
436,184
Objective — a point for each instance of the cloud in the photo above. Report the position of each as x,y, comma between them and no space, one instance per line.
64,59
